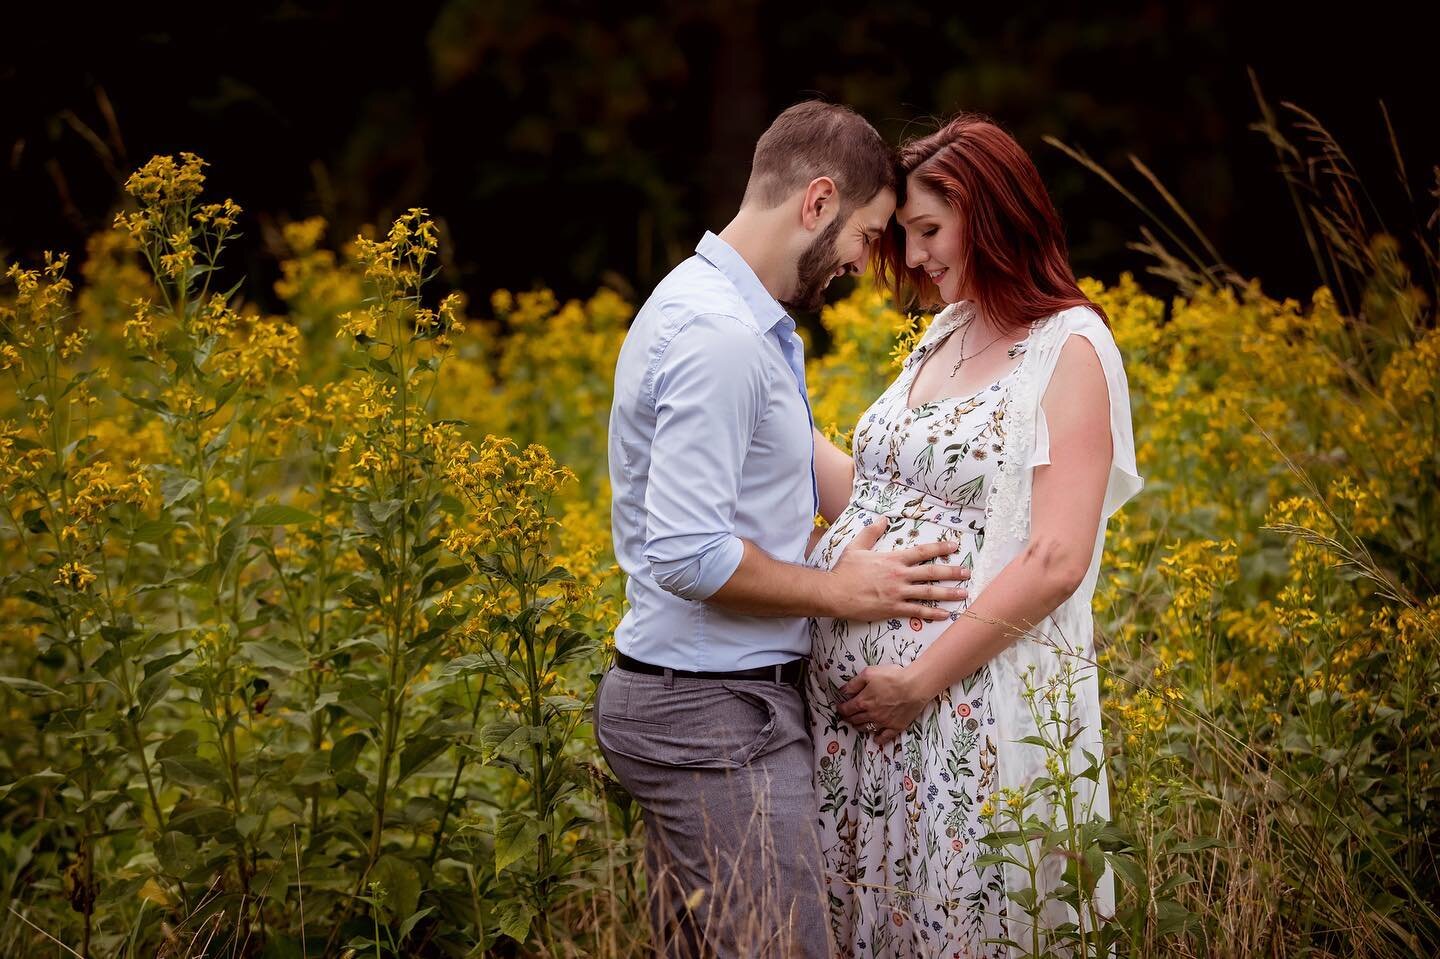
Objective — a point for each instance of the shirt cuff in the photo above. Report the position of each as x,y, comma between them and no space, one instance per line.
717,566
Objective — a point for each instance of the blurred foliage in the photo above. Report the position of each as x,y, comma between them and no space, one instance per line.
571,148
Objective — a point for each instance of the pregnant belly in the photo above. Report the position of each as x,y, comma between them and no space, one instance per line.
841,648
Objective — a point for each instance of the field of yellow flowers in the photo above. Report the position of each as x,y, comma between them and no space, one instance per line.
301,612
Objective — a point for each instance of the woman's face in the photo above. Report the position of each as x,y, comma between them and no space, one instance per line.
932,239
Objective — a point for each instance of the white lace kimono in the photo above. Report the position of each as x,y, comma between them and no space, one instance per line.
1034,659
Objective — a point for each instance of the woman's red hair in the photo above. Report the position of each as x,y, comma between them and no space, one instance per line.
1016,263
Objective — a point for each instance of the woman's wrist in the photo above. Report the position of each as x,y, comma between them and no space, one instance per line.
920,681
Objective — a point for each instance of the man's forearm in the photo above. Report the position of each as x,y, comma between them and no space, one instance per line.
764,586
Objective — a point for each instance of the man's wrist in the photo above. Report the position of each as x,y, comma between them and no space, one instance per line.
827,597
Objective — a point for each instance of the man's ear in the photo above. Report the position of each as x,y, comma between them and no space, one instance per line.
822,201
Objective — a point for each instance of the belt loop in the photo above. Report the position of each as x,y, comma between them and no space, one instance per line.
779,674
669,678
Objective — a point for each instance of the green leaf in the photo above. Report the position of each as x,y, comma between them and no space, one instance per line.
1171,918
162,663
408,925
45,777
401,882
29,687
191,770
466,665
362,594
343,756
505,736
383,366
75,381
357,700
418,751
33,521
383,509
225,548
182,743
145,403
372,557
268,654
218,442
151,690
314,769
444,578
515,919
1129,870
516,834
1196,845
276,515
177,854
152,530
176,488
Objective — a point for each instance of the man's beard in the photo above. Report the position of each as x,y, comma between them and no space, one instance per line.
817,264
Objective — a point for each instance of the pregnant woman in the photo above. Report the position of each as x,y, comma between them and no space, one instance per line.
1008,432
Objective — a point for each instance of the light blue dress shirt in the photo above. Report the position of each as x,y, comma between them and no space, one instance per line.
710,443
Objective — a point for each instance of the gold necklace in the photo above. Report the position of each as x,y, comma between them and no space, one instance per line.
963,333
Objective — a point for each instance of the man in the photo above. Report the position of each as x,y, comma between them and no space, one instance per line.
714,497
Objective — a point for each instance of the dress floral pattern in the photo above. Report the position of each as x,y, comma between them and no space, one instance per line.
900,826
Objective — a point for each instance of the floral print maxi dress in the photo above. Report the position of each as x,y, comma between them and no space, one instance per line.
900,826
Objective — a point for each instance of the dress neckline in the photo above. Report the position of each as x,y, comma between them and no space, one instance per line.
928,349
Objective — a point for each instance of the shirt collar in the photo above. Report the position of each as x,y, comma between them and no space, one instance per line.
721,255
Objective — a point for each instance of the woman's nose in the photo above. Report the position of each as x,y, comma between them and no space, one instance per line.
915,256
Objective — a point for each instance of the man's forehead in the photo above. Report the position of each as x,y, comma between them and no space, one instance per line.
875,215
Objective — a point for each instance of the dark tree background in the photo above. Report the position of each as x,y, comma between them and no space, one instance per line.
574,144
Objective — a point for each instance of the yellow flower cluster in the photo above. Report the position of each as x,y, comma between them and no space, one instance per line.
165,180
312,282
1198,573
869,340
509,491
398,262
168,227
39,306
75,576
553,374
265,351
101,486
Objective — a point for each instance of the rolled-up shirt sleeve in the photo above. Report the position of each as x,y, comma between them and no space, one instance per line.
709,390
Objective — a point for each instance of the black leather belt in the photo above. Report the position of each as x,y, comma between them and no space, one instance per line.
789,674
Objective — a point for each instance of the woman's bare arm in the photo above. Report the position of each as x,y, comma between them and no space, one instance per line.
835,475
1067,497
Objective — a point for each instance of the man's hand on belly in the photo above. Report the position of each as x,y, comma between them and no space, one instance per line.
870,585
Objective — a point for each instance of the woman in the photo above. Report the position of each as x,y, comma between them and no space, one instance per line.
1011,436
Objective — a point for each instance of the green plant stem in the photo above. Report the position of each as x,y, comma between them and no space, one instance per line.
460,763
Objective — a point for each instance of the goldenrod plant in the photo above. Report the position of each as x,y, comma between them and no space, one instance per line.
302,610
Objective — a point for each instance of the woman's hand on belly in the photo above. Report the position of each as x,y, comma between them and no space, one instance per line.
885,695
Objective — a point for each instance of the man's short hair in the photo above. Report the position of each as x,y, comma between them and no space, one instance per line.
814,139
